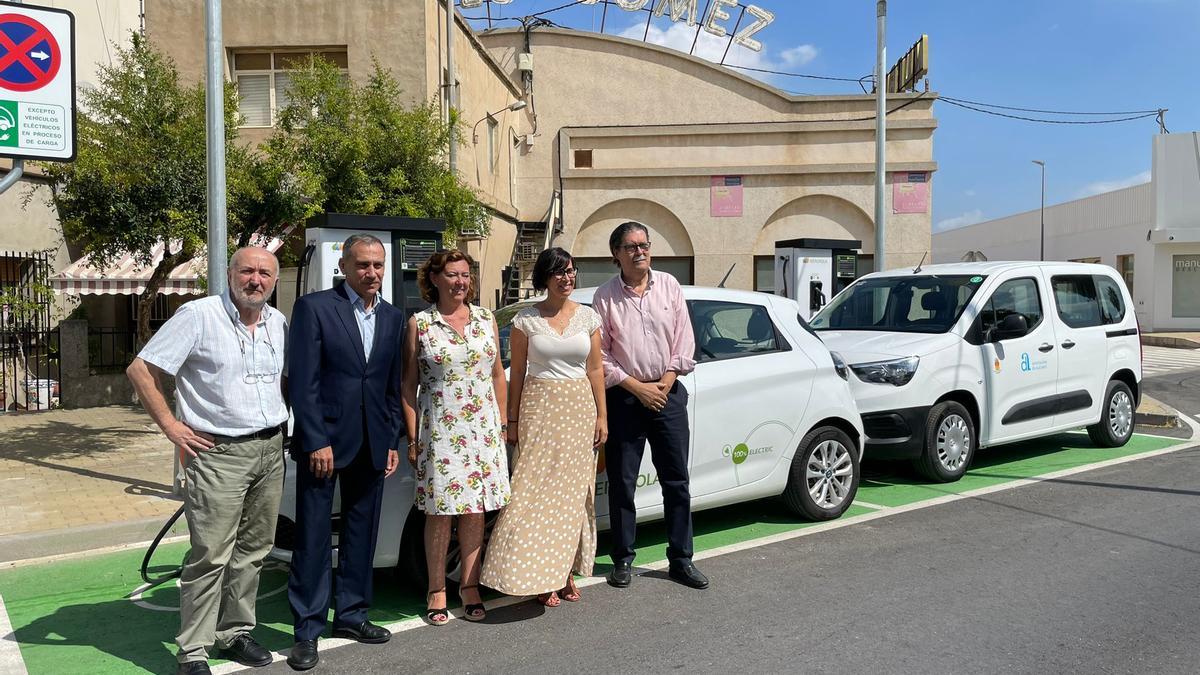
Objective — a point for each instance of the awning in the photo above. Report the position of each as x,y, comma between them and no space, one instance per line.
126,277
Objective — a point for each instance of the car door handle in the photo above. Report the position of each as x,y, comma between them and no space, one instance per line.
1045,348
1067,344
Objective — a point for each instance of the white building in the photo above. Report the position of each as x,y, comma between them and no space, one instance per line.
1150,233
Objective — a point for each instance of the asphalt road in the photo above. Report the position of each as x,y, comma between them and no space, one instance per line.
1092,573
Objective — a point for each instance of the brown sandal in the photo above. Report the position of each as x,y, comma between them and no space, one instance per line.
549,599
570,592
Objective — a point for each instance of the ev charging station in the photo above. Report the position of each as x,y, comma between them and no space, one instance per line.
812,271
407,242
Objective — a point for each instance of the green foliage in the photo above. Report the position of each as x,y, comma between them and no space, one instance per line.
140,175
367,152
21,306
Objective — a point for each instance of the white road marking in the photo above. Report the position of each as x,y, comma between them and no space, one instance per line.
1161,360
11,662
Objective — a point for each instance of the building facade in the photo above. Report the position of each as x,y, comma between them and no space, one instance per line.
613,130
1150,233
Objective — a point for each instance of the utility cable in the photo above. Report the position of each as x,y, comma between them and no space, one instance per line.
1153,113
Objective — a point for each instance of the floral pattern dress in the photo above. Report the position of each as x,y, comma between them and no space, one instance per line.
462,464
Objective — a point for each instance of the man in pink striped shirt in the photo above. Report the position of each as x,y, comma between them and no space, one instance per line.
647,341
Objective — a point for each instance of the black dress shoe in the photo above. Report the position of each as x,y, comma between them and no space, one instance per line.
687,574
304,655
365,632
246,651
193,668
621,575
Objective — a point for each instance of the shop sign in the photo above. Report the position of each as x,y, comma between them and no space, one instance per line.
717,13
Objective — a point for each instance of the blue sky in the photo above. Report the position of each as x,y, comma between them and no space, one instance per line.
1075,55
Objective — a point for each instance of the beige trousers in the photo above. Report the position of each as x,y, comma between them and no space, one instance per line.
231,500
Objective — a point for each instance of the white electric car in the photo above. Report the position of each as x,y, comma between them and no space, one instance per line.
771,414
951,358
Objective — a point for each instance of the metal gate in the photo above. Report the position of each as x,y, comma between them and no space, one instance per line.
30,367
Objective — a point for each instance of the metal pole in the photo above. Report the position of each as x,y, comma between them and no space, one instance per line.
451,85
880,133
18,165
218,239
1043,213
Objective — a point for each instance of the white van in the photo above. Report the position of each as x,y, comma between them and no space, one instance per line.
950,358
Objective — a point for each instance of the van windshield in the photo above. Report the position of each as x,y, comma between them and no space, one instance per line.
907,304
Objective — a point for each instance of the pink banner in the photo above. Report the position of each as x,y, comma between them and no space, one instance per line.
726,196
910,192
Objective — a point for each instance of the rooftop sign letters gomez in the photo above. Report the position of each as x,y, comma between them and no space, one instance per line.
679,10
37,82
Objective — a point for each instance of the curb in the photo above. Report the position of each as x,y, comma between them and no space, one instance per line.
1167,341
1156,420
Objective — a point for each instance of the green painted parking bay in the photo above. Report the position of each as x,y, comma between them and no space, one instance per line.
81,615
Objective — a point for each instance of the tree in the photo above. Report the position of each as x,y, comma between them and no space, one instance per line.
140,175
368,152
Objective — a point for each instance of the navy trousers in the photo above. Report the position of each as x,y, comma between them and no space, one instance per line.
310,577
630,425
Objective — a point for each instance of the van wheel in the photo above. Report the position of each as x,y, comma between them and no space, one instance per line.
410,566
950,443
824,475
1115,427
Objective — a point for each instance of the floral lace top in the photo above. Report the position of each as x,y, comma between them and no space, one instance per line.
462,465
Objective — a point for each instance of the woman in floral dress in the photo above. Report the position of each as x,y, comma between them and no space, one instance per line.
451,352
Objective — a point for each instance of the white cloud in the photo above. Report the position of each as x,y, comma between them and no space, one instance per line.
969,218
1109,185
970,193
680,36
798,56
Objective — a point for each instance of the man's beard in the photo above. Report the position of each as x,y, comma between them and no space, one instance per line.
243,298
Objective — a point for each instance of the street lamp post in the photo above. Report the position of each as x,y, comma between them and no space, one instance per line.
1042,239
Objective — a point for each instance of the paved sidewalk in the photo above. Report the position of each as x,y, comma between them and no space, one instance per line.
79,479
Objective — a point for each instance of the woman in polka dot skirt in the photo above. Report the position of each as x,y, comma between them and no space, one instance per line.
557,418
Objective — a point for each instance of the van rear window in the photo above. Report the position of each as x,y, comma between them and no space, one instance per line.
909,304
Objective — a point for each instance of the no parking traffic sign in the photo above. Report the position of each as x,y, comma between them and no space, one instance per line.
37,82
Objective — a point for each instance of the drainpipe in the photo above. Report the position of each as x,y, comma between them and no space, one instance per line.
451,86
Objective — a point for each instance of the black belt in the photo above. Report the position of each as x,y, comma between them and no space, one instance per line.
261,435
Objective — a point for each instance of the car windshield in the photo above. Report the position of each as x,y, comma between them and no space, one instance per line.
906,304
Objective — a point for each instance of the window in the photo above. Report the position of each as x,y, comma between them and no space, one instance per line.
583,159
263,80
1078,304
1112,305
1185,285
1017,296
493,136
727,330
1125,269
764,273
596,271
906,304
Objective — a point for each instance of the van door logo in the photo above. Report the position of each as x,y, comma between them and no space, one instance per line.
1025,367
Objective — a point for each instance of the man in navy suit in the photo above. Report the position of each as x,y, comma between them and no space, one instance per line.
344,385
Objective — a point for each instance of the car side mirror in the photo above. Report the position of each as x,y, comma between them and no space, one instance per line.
1011,326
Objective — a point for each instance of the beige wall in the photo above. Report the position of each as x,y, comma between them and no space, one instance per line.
660,124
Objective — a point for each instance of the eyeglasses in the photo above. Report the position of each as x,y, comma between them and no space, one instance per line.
252,377
634,248
563,274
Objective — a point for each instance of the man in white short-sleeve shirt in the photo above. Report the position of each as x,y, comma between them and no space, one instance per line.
227,354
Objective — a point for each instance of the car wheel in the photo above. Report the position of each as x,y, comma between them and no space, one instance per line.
1115,427
950,443
824,475
411,567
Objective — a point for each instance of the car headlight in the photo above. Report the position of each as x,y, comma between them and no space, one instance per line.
897,372
839,365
